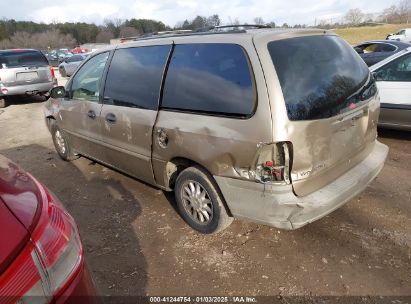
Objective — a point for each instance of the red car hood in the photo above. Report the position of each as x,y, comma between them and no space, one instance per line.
20,205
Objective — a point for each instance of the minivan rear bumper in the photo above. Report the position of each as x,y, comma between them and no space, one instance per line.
278,206
33,88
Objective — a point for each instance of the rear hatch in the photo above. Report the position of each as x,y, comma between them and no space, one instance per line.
20,205
22,67
331,105
13,236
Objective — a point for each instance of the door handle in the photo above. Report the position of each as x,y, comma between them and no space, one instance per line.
111,118
91,114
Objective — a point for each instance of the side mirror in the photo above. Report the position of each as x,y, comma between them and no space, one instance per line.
58,92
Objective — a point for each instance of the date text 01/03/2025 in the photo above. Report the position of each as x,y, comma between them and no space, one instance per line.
203,299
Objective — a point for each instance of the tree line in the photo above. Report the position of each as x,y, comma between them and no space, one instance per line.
15,34
21,34
399,13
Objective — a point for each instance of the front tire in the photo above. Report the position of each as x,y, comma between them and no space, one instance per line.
61,143
199,202
2,103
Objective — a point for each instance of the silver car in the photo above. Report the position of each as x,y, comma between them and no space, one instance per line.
24,72
69,65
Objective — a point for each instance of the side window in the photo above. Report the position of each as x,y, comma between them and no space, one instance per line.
371,48
397,70
134,76
382,47
210,78
86,82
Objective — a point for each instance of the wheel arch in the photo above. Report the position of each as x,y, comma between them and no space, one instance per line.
50,120
177,164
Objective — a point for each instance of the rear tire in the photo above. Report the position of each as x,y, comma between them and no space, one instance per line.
61,143
199,202
2,103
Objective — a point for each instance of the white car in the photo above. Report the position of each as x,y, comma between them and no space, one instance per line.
403,35
393,77
70,64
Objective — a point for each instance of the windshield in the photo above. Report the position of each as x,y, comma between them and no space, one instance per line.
14,59
320,76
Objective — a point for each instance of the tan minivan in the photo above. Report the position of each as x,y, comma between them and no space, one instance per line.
277,127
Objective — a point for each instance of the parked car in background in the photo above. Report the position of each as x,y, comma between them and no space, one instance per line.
393,77
376,50
41,254
24,72
69,65
274,126
403,35
55,57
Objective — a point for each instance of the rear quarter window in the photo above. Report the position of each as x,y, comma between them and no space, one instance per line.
383,47
211,79
320,76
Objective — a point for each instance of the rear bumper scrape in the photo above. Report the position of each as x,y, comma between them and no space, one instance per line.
277,205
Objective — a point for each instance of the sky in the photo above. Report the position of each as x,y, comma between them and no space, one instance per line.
172,11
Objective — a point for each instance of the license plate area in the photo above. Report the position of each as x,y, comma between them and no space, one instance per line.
27,76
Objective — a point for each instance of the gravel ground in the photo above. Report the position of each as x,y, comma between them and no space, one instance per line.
136,244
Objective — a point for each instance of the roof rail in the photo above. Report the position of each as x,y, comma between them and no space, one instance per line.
202,31
174,32
154,35
235,27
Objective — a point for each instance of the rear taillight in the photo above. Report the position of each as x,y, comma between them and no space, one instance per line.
22,279
272,163
51,75
52,71
58,245
49,262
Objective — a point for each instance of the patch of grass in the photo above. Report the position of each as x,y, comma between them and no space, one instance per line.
356,35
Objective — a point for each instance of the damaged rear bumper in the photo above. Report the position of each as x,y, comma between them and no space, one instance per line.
278,206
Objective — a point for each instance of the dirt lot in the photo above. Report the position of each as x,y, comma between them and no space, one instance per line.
136,244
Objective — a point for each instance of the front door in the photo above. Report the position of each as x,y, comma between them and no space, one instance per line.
394,85
131,97
79,115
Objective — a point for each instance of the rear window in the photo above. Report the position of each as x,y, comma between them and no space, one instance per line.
211,79
320,76
22,58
